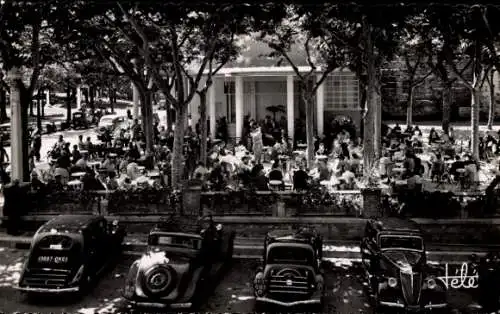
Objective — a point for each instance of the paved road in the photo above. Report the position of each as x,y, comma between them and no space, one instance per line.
345,291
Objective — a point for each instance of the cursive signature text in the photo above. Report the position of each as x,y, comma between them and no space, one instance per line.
461,279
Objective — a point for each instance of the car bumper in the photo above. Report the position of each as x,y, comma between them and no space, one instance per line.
429,306
47,290
158,305
312,301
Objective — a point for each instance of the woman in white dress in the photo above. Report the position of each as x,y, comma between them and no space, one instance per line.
257,143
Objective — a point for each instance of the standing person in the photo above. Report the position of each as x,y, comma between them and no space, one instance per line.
4,157
257,143
37,145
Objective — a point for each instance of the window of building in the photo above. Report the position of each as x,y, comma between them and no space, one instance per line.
341,91
230,94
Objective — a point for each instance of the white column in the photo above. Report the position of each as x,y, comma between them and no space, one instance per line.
290,106
253,102
320,107
47,97
17,145
78,97
135,96
211,108
239,106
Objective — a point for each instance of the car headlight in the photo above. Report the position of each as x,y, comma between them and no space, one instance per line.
392,282
431,283
259,284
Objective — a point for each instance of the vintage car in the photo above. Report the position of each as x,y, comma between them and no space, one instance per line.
291,274
184,256
394,258
79,121
69,252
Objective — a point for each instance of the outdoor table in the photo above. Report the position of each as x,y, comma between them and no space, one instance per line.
302,145
275,184
113,155
140,168
321,157
449,162
400,182
460,170
78,174
94,164
76,184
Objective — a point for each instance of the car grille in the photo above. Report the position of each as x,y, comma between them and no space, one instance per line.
46,278
411,285
287,286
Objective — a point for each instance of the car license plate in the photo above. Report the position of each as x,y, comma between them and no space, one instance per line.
53,259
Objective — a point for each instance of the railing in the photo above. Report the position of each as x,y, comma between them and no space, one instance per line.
440,205
283,203
137,202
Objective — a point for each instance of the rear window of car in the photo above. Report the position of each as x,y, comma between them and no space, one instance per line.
175,241
290,255
55,242
401,242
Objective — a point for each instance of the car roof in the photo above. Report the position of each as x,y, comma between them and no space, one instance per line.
395,224
284,236
69,222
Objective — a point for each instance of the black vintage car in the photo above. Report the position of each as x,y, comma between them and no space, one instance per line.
69,252
394,258
79,121
183,257
291,274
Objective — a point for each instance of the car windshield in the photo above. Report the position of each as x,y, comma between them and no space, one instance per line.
290,255
401,242
180,241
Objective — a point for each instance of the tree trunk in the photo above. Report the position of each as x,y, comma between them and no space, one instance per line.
177,154
91,96
446,98
203,126
86,95
68,102
372,103
377,142
474,115
38,111
3,105
491,107
25,101
409,106
31,109
308,101
113,102
147,119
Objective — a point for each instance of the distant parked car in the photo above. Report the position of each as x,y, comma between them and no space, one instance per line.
291,273
394,258
79,121
69,252
182,259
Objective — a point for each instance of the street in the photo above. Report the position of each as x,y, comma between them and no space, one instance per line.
345,291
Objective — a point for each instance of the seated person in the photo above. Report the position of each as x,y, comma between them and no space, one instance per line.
63,174
56,184
276,174
300,179
348,179
109,163
36,184
112,182
133,170
82,163
324,173
438,167
260,180
75,154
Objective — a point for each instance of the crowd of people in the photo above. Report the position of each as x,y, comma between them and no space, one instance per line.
264,158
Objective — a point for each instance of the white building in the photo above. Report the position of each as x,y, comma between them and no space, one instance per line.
255,81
